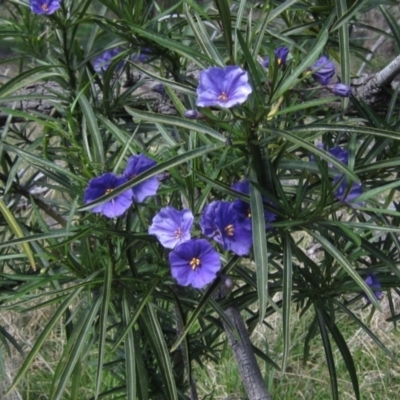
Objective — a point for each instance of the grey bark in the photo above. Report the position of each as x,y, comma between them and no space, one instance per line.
239,341
373,88
249,370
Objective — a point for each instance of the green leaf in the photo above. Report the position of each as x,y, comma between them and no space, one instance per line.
129,325
286,296
130,377
226,20
393,24
156,337
200,32
106,292
175,122
90,120
328,353
54,320
314,150
344,350
342,260
78,349
21,80
259,246
16,229
365,329
344,46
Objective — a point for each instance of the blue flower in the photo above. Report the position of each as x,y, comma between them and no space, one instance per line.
281,54
221,222
223,87
340,89
323,70
105,184
194,262
135,166
102,63
243,207
172,227
45,7
340,154
193,114
143,56
265,62
372,281
345,194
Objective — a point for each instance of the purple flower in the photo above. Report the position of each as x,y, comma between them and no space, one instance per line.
340,89
340,154
105,184
158,89
372,281
223,87
221,222
172,227
135,166
143,56
195,263
102,62
243,207
323,70
281,54
343,193
265,62
45,7
193,114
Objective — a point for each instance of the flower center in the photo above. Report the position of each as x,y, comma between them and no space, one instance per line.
223,96
108,191
178,233
195,263
45,7
229,230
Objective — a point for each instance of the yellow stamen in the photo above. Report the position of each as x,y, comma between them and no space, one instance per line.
109,191
229,230
195,263
223,96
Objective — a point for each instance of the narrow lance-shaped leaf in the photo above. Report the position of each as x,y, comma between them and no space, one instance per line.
259,247
287,296
342,260
16,229
108,274
130,377
43,336
328,353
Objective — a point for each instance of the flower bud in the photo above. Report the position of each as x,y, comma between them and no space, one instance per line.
193,114
340,89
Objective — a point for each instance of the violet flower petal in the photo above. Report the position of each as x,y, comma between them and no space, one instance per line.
194,262
223,87
135,166
45,7
102,185
324,70
172,227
